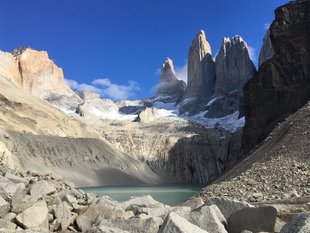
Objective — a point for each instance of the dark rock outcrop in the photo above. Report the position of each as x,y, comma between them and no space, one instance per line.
282,84
170,88
233,66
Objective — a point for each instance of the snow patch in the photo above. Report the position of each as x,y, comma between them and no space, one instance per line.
112,115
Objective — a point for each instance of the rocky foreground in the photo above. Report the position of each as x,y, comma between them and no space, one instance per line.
32,202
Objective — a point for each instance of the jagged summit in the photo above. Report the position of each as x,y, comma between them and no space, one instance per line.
233,66
170,87
201,72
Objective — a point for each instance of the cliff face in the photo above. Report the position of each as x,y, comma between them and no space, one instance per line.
266,51
170,87
201,71
282,84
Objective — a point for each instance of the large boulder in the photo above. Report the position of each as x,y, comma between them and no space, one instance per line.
170,89
227,206
177,224
299,224
34,216
4,207
282,84
41,188
259,219
208,218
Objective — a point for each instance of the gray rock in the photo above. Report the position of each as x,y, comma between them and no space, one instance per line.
233,66
299,224
87,218
170,87
8,188
253,219
63,215
7,224
193,203
227,206
105,229
224,105
34,216
137,225
266,51
9,216
21,201
208,218
177,224
201,69
40,189
4,207
15,178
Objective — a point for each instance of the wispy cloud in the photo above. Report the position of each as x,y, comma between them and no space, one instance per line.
252,53
266,26
107,89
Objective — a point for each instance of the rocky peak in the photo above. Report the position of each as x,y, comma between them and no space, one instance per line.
233,66
201,71
170,87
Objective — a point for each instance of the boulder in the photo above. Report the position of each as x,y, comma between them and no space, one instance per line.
4,207
34,216
193,203
40,189
62,214
227,206
137,225
8,188
6,224
177,224
105,229
88,216
208,218
299,224
253,219
21,201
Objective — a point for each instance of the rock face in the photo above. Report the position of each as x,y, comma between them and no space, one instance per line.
266,51
39,74
201,69
9,68
233,66
282,84
170,87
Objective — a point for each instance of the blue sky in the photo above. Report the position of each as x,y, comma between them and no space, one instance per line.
116,47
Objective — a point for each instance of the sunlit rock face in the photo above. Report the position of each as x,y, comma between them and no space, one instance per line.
9,68
40,75
201,69
170,87
233,66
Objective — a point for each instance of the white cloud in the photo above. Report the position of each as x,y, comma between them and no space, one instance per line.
107,89
181,72
115,91
266,26
252,53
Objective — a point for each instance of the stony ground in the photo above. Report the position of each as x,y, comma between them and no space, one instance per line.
277,169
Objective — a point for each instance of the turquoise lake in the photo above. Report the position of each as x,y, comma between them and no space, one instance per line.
169,194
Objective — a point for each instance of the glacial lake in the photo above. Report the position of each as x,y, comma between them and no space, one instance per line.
168,194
